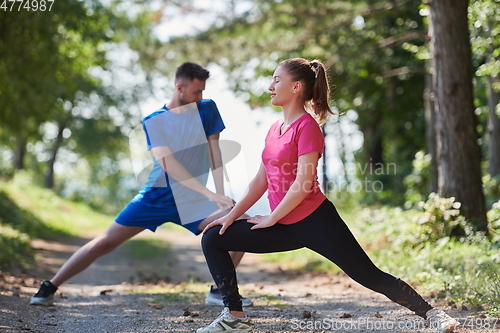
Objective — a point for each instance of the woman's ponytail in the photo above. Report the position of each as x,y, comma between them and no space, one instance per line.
316,88
320,92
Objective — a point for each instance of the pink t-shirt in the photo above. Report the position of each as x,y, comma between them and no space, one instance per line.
280,158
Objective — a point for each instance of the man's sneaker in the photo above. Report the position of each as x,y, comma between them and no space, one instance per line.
439,320
215,298
45,295
227,323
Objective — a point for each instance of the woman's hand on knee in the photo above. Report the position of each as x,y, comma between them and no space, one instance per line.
260,221
224,221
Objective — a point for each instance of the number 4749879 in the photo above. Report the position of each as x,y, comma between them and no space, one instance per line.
26,5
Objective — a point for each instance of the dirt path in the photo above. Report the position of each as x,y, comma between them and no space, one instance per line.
111,296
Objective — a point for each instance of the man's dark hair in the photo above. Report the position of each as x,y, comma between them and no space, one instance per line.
191,71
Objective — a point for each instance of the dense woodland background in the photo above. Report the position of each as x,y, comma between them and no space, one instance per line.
423,78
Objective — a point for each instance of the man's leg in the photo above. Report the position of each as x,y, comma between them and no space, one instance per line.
103,244
236,257
106,242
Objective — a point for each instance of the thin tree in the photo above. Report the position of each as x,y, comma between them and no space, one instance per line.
493,129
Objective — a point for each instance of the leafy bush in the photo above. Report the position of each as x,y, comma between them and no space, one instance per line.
442,218
429,221
15,247
491,189
494,224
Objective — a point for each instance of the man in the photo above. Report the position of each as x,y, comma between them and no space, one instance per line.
183,138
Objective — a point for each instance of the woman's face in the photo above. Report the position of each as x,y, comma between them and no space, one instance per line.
282,87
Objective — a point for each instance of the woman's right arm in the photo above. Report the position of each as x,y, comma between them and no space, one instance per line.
254,191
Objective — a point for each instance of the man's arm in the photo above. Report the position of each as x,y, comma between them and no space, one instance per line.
176,170
215,158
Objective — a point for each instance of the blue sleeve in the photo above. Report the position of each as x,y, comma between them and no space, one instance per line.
154,129
210,117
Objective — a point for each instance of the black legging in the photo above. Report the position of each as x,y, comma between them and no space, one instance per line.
325,233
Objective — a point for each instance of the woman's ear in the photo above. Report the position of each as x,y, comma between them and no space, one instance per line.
297,86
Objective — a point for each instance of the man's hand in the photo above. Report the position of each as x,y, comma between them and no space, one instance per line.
221,200
261,221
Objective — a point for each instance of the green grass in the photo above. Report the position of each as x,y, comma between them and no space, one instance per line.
42,213
270,299
148,248
29,212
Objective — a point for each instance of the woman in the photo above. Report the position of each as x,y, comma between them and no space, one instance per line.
301,214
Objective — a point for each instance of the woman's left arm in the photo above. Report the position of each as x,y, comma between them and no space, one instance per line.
306,170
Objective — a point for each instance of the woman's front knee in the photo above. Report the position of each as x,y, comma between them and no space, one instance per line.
210,237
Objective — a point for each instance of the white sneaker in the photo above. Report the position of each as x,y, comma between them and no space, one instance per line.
226,323
215,298
439,320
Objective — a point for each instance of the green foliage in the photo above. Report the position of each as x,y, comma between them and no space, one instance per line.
457,270
59,75
494,216
28,212
373,52
302,260
441,219
148,248
16,213
491,189
15,246
494,224
50,209
428,222
377,54
417,182
422,246
485,31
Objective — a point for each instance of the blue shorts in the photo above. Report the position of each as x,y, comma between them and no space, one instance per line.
141,213
152,207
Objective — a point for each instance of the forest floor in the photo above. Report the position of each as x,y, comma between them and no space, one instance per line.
166,294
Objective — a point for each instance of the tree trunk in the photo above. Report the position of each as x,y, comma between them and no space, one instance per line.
49,175
374,147
458,154
493,131
19,152
430,119
430,131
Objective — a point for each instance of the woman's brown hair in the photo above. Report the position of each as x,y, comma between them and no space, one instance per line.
316,88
